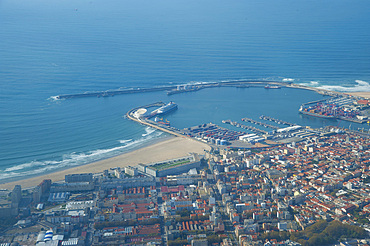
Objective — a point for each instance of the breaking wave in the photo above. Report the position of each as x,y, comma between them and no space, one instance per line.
224,81
124,141
148,131
75,159
360,86
311,84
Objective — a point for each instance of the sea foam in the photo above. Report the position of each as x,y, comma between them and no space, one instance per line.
75,159
360,86
148,131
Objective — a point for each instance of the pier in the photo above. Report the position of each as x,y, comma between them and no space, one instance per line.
260,123
163,128
314,102
212,133
264,117
250,128
156,104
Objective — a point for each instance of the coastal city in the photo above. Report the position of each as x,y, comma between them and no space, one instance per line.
277,184
184,123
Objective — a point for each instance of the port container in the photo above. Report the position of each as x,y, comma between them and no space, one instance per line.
223,142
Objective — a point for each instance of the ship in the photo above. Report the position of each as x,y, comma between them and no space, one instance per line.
164,109
185,89
272,87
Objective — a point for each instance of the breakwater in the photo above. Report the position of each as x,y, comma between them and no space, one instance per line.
173,89
111,93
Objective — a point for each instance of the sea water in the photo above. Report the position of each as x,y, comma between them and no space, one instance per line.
54,47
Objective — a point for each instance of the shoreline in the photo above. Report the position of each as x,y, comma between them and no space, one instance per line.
365,94
129,158
143,145
169,148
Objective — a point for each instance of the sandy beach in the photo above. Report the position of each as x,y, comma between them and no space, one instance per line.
168,149
360,94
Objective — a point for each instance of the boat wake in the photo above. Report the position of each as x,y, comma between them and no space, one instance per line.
54,98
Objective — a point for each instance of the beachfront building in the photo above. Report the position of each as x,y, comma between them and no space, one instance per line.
171,167
41,190
131,171
81,177
16,196
127,182
72,187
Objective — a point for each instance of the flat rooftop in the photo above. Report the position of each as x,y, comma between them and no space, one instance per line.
172,163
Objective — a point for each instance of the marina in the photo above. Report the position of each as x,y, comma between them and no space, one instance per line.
220,137
212,134
215,135
250,128
264,117
260,123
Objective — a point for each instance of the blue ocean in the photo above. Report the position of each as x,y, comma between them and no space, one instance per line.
48,48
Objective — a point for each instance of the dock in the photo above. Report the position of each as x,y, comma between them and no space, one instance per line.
250,128
212,133
314,102
264,117
260,123
163,128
